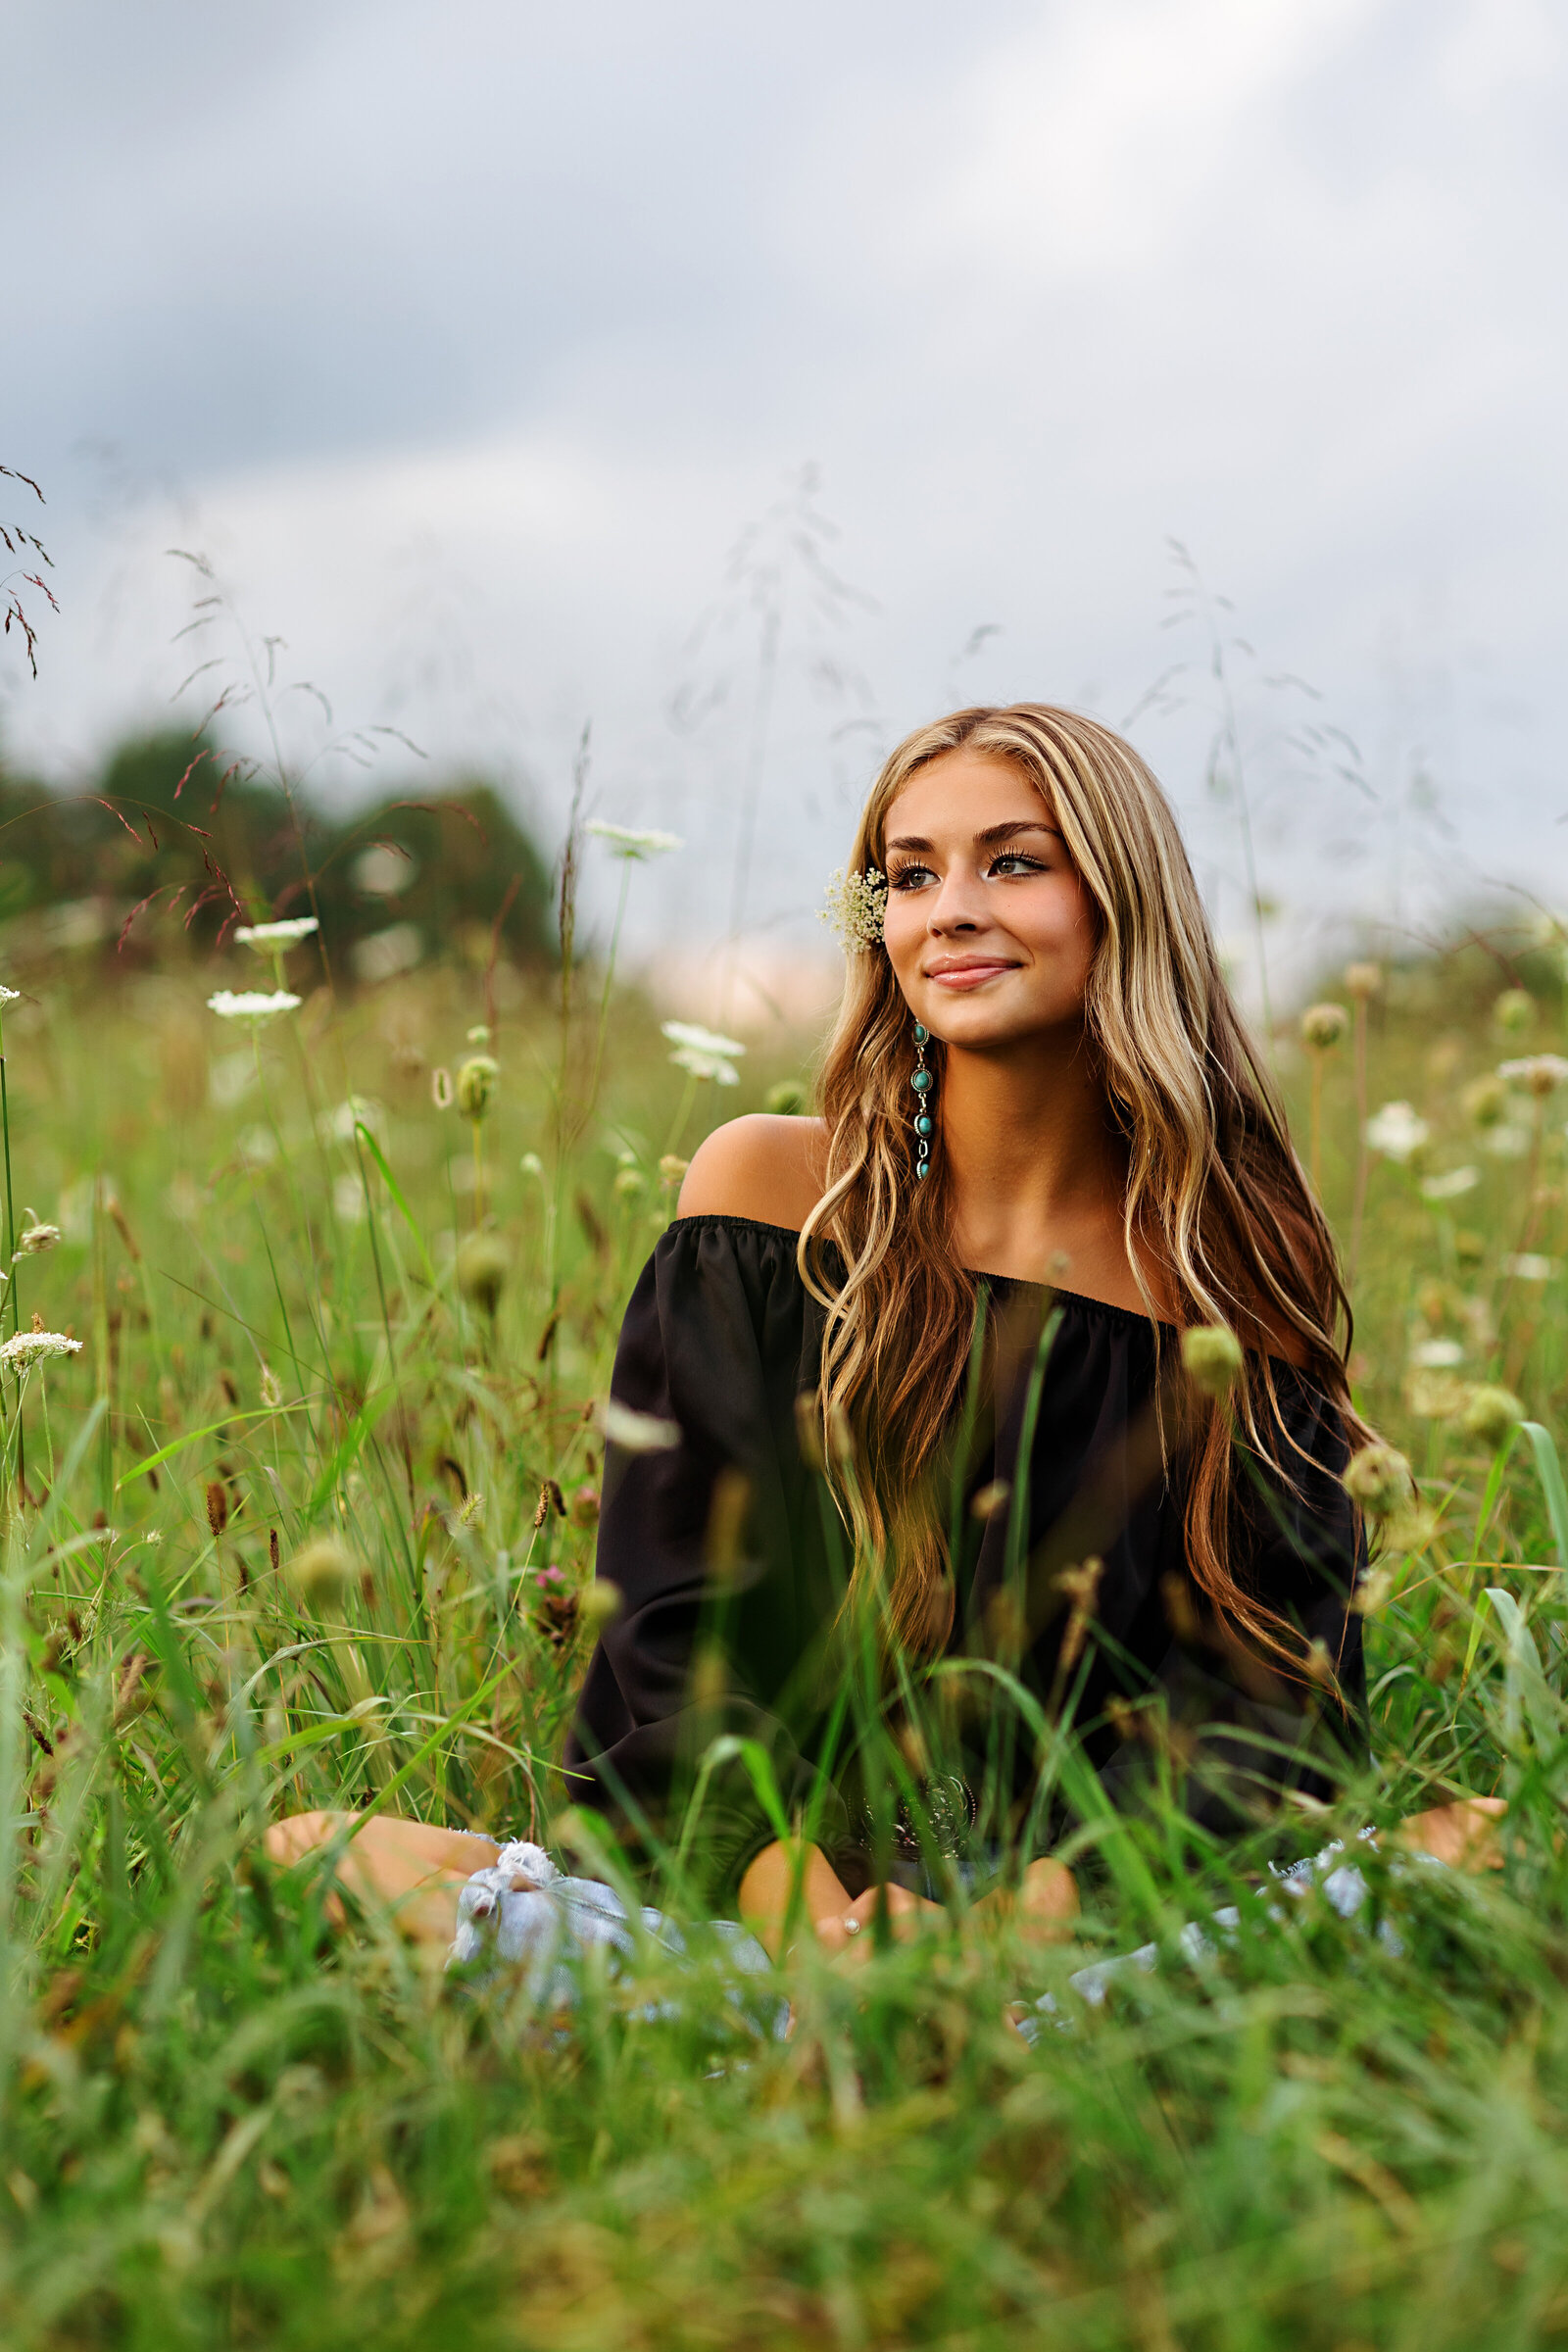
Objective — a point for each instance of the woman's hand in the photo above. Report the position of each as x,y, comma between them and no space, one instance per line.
851,1931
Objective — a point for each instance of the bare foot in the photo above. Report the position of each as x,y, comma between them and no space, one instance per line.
1463,1835
409,1869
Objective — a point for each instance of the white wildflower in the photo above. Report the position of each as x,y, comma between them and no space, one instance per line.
1510,1141
35,1237
277,934
348,1199
637,1433
9,995
702,1051
31,1346
856,906
701,1040
251,1004
1437,1355
1528,1265
532,1164
706,1066
1449,1185
1397,1131
625,842
1537,1073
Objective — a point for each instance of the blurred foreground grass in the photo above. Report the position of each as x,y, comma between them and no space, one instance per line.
307,1522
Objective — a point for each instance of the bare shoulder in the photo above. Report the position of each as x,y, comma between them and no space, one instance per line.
763,1168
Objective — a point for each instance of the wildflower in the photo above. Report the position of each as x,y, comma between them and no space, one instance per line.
479,1033
321,1572
271,1389
585,1507
1449,1185
476,1085
625,842
1212,1358
1528,1265
35,1237
1437,1355
31,1346
9,995
1493,1414
1397,1131
251,1004
990,1501
634,1431
532,1164
1537,1073
855,906
702,1051
266,936
472,1510
1362,980
441,1089
483,1264
1380,1480
671,1168
629,1182
1323,1026
1514,1010
1435,1396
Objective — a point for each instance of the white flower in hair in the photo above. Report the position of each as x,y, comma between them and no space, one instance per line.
855,906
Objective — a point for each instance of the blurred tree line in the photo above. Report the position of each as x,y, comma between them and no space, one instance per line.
164,844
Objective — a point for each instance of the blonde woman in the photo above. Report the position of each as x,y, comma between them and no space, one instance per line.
1048,1150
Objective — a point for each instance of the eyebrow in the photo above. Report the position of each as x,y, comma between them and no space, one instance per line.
987,840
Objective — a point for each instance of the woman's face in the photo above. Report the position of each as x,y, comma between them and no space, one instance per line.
988,929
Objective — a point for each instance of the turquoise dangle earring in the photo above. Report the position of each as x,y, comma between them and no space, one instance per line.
923,1082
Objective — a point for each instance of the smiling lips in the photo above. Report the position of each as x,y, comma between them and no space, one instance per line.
966,972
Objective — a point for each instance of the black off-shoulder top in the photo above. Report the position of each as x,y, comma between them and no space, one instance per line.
721,1337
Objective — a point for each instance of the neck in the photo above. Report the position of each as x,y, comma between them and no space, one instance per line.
1036,1171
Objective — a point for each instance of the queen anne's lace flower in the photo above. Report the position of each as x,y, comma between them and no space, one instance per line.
280,934
31,1346
251,1003
856,906
1537,1073
1450,1184
1397,1131
704,1053
625,842
9,995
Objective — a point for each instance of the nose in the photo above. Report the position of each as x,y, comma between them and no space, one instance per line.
957,905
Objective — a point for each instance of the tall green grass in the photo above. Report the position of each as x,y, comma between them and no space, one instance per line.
302,1327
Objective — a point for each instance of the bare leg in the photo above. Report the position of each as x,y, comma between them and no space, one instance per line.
1462,1835
408,1868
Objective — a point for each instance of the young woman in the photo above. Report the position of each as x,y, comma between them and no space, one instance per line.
1039,1103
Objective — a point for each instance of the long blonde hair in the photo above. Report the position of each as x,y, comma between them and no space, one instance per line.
1215,1195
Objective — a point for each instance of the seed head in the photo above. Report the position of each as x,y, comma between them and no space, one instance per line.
1491,1415
441,1088
1514,1010
321,1572
1538,1073
271,1389
1323,1026
477,1084
1485,1101
1380,1480
1212,1358
671,1168
35,1237
629,1182
1362,980
1397,1131
601,1601
483,1264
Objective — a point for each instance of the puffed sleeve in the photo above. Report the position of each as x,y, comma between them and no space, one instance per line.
716,1341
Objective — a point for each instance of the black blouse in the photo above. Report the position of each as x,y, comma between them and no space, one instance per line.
720,1339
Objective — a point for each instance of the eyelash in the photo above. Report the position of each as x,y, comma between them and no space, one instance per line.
901,877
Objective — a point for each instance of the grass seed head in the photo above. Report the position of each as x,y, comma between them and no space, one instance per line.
483,1264
1362,980
1493,1414
1323,1026
322,1574
1212,1358
1380,1480
476,1085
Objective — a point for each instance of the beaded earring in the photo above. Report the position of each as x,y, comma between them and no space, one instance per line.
923,1082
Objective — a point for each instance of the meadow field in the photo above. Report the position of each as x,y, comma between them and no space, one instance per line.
306,1517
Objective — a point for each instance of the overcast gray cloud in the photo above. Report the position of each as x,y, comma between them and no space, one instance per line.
467,339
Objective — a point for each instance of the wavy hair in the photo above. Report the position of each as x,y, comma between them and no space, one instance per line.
1215,1195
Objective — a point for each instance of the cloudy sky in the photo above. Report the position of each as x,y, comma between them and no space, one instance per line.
468,342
